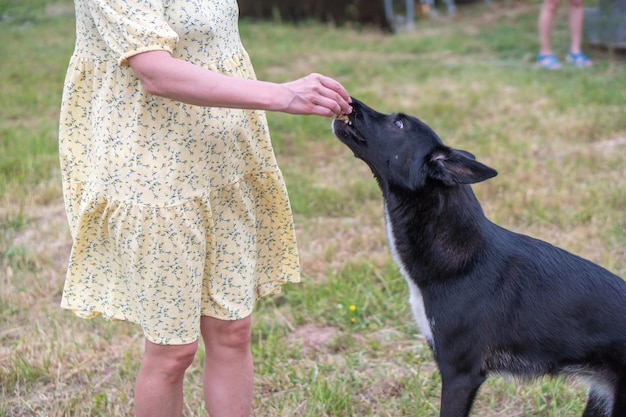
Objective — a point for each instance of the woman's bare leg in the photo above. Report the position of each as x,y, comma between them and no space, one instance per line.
159,385
228,368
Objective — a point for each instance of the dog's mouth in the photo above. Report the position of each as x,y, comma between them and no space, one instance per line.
345,118
344,127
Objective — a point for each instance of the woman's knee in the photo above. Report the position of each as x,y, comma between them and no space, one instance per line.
233,334
169,359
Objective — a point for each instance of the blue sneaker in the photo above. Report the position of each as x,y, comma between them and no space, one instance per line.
579,60
548,61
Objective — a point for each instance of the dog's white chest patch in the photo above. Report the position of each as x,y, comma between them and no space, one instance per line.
416,300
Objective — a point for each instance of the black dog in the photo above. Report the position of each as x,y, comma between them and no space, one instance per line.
487,300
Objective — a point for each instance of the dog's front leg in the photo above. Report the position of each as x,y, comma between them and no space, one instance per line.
458,391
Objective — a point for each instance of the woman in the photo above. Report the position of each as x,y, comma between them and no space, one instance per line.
178,212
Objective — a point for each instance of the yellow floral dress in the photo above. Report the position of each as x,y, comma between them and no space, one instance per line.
175,210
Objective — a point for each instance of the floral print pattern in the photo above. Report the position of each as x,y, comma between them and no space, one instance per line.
175,211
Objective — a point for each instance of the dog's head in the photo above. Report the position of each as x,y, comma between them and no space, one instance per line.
402,151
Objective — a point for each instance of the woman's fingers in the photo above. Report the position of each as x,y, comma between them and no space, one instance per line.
333,90
319,95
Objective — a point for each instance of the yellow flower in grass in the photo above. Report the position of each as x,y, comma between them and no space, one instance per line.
352,310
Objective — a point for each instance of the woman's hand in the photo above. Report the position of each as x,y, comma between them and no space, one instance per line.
316,94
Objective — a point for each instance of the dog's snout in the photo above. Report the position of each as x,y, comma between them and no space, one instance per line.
356,106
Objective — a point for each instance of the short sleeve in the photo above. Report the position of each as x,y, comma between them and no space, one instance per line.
129,27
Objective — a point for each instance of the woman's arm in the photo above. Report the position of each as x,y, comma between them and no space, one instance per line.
166,76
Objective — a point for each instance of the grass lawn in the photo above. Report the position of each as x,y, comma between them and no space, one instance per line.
342,343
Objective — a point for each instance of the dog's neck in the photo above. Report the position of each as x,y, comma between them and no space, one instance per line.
441,239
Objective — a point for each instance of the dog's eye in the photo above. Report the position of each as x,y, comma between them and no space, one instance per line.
398,123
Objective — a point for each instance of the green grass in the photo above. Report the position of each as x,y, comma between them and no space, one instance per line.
558,140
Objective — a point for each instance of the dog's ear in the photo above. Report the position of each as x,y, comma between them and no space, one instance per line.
453,166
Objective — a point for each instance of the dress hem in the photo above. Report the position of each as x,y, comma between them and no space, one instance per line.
89,314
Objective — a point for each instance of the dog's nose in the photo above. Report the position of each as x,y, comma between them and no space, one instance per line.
356,107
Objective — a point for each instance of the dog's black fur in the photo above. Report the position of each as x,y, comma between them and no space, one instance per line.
488,300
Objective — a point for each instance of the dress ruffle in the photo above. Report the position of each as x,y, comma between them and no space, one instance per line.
164,267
